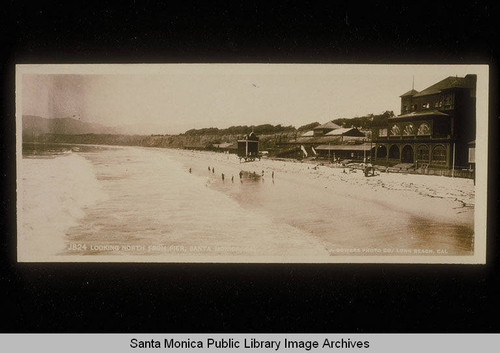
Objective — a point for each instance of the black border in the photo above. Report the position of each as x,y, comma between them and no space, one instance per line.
240,297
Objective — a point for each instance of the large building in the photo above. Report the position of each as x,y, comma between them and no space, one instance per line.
329,141
434,127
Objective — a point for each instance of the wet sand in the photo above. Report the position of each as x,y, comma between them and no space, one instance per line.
153,204
389,214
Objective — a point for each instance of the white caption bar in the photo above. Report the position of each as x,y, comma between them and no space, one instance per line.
382,343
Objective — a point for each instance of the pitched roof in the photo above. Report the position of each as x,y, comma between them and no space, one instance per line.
432,112
308,133
328,125
318,139
449,82
342,131
409,93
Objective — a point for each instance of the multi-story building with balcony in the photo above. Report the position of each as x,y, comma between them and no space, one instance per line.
434,127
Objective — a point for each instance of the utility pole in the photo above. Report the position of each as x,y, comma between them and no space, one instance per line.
453,162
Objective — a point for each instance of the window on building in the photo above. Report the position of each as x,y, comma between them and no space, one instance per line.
439,154
381,151
409,130
395,130
382,132
424,129
423,153
394,152
448,101
472,155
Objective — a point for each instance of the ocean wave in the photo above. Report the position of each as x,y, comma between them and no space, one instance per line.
55,193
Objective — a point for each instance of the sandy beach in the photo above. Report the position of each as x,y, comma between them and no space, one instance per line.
155,204
346,211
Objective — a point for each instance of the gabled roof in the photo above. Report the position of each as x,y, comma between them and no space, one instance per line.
343,131
309,133
409,93
328,125
447,83
469,81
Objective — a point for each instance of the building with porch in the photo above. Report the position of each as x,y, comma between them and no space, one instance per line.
328,141
434,127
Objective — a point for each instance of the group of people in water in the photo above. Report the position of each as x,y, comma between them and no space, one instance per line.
252,175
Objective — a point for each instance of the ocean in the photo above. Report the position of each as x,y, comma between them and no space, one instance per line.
87,202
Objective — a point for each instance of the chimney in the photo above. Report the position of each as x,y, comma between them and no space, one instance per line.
470,82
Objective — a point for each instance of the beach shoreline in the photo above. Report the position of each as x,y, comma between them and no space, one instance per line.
347,203
457,192
286,210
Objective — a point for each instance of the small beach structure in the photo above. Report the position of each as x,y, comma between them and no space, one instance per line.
248,148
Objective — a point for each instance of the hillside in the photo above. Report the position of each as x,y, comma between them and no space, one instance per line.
272,137
268,142
35,126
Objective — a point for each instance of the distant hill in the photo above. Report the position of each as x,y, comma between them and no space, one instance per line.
35,126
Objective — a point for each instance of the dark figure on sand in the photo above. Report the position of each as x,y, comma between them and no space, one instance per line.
189,170
222,176
213,170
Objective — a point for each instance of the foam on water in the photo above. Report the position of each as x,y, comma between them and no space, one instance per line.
145,197
55,192
155,201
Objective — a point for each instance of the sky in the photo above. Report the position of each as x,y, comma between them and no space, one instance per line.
170,99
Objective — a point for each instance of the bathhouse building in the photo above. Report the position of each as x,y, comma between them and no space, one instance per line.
248,147
434,128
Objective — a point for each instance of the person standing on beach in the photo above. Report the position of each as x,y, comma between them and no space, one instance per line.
189,170
272,174
222,176
213,170
208,168
232,178
241,174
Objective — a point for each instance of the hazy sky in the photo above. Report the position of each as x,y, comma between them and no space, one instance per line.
175,98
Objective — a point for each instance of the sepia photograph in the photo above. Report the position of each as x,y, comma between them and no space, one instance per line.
251,163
